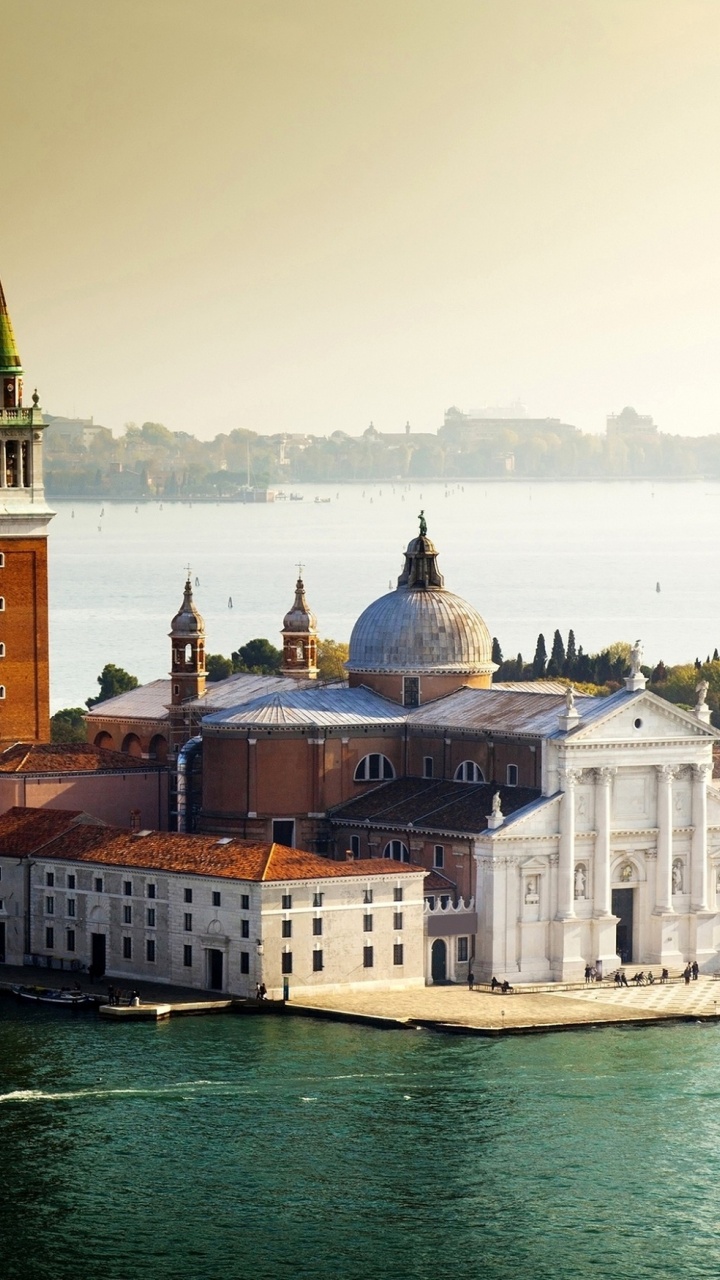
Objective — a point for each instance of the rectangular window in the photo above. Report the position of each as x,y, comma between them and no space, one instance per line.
50,879
397,895
70,940
462,948
317,961
512,775
287,902
187,957
127,888
244,961
368,958
71,906
71,882
216,899
127,948
317,927
286,928
367,924
127,915
187,894
428,766
50,906
286,962
317,899
355,846
397,920
49,937
150,950
244,902
151,917
439,856
98,884
283,832
187,922
150,890
411,691
398,953
245,929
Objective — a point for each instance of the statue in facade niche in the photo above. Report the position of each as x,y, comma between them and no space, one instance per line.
531,888
636,657
626,871
701,689
580,881
677,877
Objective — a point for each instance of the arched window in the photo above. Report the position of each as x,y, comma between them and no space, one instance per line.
2,604
397,850
512,775
2,650
2,559
469,771
2,690
374,768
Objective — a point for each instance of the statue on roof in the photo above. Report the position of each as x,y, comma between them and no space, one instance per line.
423,525
636,657
569,700
701,690
496,805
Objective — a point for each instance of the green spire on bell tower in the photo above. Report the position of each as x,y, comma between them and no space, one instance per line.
9,358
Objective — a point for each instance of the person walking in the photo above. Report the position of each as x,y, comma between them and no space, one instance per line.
471,980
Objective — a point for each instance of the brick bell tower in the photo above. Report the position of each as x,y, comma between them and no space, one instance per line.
24,520
300,638
187,635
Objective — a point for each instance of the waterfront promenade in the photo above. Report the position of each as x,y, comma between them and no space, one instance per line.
455,1008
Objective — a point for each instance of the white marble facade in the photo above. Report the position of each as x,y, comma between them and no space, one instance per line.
619,861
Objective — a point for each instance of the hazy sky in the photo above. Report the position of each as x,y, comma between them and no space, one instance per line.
306,214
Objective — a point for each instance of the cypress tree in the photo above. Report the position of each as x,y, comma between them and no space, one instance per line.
716,656
497,652
570,655
556,665
540,660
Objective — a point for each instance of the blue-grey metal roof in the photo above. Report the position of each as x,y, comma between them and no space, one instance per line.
411,630
501,711
331,706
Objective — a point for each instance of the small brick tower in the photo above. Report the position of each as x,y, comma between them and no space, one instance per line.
187,634
24,520
299,635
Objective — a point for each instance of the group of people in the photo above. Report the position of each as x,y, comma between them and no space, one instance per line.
261,991
117,997
503,987
691,971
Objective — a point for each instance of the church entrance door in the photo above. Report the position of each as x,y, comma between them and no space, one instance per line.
623,901
438,966
215,969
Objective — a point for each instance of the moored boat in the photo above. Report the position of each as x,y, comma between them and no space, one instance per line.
58,998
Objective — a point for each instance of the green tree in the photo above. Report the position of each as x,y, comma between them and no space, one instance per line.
112,680
259,656
68,725
570,655
331,659
218,667
497,652
540,660
556,665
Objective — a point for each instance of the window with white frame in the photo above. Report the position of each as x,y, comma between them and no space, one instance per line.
374,768
469,771
439,856
396,850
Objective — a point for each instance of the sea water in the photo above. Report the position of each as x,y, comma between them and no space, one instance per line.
530,557
232,1148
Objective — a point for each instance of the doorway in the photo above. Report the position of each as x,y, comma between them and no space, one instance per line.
438,963
623,901
215,969
97,955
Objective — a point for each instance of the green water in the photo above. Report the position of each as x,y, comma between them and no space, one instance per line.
229,1148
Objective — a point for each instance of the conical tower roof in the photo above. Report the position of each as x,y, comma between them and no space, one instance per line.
9,358
187,622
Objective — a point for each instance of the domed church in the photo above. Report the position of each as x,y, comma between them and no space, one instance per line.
557,830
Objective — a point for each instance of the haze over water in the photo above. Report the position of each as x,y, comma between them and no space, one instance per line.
530,556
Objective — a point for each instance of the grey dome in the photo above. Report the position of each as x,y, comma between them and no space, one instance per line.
421,627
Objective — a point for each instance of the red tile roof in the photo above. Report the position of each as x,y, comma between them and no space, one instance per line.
78,841
67,757
25,831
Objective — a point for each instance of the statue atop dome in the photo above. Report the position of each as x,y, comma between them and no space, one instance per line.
423,525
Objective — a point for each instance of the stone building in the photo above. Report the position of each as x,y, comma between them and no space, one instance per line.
198,911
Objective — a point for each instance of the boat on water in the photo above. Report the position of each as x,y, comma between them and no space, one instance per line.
297,497
59,999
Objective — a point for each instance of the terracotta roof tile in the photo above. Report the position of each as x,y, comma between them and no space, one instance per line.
68,757
24,831
171,851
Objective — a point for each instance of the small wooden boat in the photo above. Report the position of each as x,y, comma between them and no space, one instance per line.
59,999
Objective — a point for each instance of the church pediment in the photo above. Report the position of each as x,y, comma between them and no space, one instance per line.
641,717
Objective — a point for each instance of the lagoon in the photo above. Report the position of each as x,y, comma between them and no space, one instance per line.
530,556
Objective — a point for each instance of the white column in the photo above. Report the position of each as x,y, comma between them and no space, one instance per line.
663,891
698,851
20,468
601,891
3,466
566,861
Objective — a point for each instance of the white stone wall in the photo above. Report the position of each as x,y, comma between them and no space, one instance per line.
12,908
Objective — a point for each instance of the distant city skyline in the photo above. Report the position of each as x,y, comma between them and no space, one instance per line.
306,216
